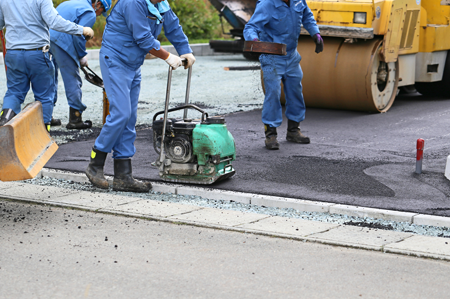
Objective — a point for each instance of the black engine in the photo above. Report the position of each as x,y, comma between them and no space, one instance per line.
178,139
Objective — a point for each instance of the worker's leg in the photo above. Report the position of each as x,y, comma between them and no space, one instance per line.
71,77
272,114
42,77
295,104
18,82
118,80
273,70
124,147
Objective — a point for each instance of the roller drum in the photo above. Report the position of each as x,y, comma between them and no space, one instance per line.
348,76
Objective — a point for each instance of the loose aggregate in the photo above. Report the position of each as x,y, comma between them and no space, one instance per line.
235,206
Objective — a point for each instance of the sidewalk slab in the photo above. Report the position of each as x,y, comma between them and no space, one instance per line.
422,246
290,203
219,217
372,213
6,185
92,200
431,220
151,208
289,226
35,192
360,237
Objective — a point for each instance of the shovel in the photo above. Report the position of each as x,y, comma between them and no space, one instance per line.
96,80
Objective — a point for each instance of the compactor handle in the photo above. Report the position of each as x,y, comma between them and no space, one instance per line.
166,107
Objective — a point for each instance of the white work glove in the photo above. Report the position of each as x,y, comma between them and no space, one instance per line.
88,33
174,61
190,60
84,61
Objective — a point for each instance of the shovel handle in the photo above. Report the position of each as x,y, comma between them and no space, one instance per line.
2,37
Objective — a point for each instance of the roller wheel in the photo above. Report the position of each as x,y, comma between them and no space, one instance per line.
437,89
349,76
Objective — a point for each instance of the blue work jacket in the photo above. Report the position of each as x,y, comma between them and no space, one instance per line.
79,12
28,21
275,21
131,32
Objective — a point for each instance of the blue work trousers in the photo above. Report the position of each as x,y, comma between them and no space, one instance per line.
25,67
277,69
70,74
122,85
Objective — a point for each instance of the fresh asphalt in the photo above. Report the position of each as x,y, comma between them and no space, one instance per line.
356,158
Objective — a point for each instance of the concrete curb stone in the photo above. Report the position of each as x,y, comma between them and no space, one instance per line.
432,220
372,213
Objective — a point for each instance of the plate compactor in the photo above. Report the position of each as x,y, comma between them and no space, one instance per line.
192,151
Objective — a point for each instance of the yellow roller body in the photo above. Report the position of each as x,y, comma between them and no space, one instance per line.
25,145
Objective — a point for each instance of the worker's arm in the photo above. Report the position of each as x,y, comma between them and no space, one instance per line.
257,22
308,20
175,34
55,21
87,19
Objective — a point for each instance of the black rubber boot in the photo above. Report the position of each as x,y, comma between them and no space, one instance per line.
76,121
271,138
6,115
47,126
294,134
123,178
94,171
55,122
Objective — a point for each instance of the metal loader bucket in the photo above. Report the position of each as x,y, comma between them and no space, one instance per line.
25,145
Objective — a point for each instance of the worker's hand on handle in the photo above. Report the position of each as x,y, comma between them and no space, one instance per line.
88,33
84,61
319,42
174,61
190,60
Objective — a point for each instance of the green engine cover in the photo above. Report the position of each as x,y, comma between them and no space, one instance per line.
210,140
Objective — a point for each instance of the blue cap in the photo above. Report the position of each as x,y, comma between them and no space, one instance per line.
107,5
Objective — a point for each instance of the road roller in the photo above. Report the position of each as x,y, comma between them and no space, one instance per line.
372,48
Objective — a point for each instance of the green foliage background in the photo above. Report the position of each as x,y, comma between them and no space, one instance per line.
198,18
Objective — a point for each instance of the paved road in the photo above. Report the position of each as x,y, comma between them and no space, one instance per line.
354,158
49,252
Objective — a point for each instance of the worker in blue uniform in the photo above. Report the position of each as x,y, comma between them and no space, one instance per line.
280,21
131,32
27,59
69,54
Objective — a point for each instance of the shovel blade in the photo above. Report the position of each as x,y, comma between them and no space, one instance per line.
25,145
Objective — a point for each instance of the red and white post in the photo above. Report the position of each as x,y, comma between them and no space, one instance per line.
419,156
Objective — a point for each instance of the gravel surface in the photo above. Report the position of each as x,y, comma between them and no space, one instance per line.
216,96
235,206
